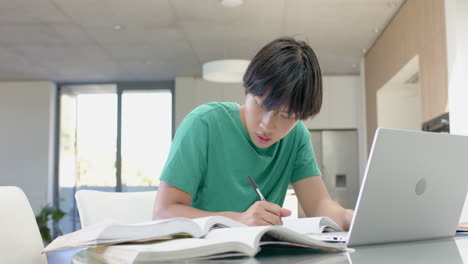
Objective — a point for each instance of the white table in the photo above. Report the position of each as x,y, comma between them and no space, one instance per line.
447,251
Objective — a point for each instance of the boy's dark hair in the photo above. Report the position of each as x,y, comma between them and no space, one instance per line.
289,71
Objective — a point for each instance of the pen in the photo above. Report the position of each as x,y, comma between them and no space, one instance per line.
256,188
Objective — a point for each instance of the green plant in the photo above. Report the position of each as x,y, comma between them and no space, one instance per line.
48,213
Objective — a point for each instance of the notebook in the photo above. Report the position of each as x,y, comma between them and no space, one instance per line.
414,188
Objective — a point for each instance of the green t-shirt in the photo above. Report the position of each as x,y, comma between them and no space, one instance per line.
212,154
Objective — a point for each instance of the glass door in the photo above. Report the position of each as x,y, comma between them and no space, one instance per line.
111,139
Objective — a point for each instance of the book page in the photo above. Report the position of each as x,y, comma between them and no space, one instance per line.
186,248
153,229
211,222
80,238
255,236
111,233
312,225
249,235
278,235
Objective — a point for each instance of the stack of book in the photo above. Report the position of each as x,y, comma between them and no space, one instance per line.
192,239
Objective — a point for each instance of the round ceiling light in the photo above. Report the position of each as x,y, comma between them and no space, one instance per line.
225,71
231,3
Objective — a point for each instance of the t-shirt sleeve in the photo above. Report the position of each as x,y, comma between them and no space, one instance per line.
187,161
305,164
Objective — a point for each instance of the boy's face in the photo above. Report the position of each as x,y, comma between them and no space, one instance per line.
265,127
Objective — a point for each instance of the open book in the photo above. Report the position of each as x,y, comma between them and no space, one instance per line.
312,225
108,233
206,240
218,243
268,254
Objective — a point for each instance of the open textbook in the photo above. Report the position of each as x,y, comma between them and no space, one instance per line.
268,254
210,237
312,225
218,243
108,232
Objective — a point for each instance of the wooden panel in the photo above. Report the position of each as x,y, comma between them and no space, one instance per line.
417,29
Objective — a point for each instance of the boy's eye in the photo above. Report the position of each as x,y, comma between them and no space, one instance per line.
286,116
258,103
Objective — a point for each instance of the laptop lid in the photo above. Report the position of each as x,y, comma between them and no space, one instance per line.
414,187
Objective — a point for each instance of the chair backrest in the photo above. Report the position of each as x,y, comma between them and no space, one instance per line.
20,240
124,207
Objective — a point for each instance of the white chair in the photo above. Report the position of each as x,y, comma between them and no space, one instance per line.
124,207
20,240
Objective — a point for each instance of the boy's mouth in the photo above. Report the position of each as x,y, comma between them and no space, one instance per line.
262,138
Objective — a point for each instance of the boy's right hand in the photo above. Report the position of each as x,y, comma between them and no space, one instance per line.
263,213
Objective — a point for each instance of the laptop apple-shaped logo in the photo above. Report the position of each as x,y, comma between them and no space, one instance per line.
420,186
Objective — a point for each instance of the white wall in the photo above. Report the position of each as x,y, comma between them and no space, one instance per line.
339,109
339,106
399,108
343,107
457,50
26,136
456,14
191,92
399,101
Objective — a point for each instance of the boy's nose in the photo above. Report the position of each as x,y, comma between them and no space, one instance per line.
268,121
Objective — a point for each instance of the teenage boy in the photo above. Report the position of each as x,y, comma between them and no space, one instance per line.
219,144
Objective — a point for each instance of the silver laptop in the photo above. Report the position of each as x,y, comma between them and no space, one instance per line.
414,188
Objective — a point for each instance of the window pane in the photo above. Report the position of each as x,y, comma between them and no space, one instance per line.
96,139
88,124
67,164
146,136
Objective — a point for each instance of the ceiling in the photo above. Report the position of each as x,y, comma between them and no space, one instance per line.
80,40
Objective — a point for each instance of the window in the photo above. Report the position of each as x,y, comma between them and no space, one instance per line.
113,137
146,136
